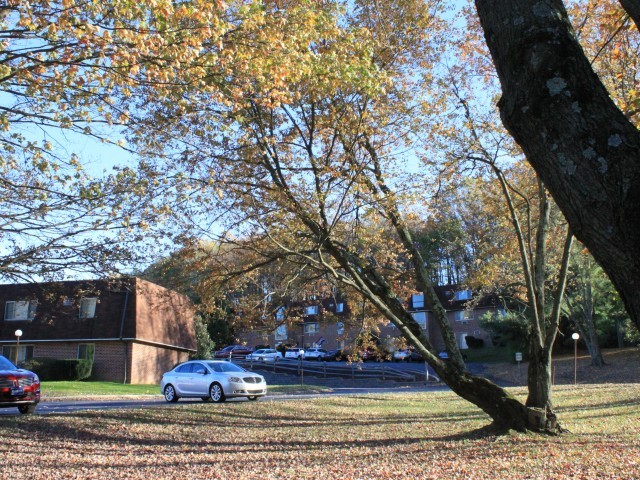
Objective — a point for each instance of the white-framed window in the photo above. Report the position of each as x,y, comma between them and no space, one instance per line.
417,300
463,315
340,328
280,314
20,310
25,352
421,318
88,307
311,310
311,328
281,332
340,307
86,351
462,295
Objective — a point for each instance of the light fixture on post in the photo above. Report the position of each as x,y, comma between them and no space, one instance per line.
575,337
18,334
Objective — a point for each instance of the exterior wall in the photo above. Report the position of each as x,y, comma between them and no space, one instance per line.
148,363
163,316
108,360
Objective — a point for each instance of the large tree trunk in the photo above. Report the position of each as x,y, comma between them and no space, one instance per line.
632,7
506,411
580,144
593,345
539,379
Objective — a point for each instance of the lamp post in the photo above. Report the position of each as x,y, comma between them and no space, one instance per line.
18,334
301,354
575,337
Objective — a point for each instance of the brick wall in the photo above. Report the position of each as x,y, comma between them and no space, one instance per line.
108,363
149,362
145,364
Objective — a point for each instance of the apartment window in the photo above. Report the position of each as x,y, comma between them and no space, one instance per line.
311,310
88,307
340,327
421,318
25,352
463,315
462,341
20,310
311,328
340,308
417,300
281,332
462,295
280,314
86,351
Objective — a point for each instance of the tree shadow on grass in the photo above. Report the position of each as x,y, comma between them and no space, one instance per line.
104,430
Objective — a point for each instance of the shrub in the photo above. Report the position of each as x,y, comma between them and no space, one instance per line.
474,342
52,369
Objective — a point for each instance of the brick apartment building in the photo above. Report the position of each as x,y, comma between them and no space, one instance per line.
133,329
330,322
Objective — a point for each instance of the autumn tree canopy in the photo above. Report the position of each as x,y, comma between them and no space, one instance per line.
63,66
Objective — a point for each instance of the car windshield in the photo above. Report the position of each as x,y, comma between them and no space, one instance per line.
6,364
225,367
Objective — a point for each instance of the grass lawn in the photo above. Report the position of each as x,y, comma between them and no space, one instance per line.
76,389
394,436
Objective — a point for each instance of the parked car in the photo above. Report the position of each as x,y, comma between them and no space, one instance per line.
314,353
415,356
372,354
212,381
233,351
265,355
18,388
402,355
333,356
407,355
294,353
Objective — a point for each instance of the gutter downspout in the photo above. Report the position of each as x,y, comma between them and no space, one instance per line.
126,353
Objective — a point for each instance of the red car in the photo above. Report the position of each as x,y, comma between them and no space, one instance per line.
233,351
18,388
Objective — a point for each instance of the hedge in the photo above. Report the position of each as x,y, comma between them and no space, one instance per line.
52,369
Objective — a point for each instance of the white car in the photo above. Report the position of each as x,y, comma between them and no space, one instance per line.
265,355
294,353
401,355
212,381
314,353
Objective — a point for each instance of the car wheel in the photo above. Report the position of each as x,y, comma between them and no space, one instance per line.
170,394
27,409
216,393
253,397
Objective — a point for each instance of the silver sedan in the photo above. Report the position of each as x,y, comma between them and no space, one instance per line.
212,381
